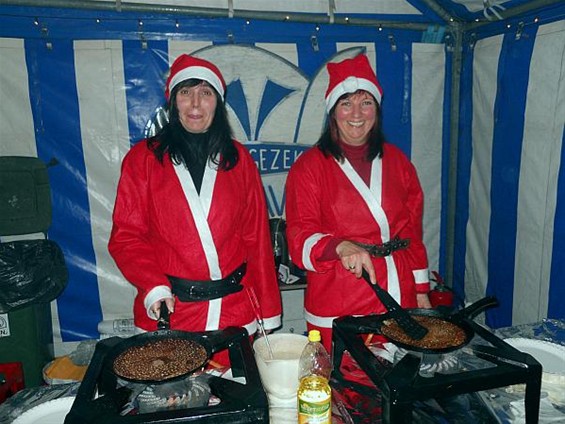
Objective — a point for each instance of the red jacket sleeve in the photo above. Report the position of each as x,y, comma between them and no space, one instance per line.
128,244
306,237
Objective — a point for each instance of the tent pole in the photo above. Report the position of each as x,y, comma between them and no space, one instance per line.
509,13
121,6
442,13
456,64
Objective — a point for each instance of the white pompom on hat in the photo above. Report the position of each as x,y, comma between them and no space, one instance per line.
351,75
186,67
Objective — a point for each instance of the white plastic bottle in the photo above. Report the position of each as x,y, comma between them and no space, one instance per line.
314,391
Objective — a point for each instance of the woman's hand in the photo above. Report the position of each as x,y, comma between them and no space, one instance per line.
156,307
354,258
423,301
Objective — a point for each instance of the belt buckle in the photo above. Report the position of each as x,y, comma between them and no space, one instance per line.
191,292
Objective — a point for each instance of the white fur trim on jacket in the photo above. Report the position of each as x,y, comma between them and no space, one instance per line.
309,244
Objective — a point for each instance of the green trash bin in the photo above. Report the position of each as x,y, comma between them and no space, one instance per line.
32,272
26,336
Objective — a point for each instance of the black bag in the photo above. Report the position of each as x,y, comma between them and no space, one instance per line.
25,195
31,271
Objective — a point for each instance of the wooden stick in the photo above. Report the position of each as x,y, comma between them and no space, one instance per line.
215,364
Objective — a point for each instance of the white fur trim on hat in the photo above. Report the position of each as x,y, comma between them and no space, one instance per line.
199,72
351,85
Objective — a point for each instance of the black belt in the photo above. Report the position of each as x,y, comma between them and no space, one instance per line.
387,248
195,291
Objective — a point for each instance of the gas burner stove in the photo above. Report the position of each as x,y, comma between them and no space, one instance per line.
487,362
190,392
104,398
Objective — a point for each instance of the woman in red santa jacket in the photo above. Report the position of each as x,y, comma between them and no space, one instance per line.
190,223
354,202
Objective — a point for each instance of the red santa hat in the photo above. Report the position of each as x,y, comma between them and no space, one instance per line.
186,67
351,75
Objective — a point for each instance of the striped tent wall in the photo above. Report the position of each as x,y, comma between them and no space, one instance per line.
86,101
511,191
85,97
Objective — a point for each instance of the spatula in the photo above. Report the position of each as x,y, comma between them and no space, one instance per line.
408,324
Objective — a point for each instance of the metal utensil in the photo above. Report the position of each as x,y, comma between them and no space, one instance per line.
257,311
408,324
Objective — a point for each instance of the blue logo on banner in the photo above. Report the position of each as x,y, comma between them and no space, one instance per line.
275,158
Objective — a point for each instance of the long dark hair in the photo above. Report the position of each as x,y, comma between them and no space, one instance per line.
328,142
168,139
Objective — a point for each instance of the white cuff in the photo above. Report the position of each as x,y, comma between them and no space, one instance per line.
309,244
156,294
421,276
272,323
318,321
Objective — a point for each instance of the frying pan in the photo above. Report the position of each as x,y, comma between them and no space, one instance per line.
163,333
458,319
408,324
153,336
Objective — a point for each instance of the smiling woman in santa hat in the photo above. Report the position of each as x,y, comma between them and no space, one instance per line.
354,203
190,225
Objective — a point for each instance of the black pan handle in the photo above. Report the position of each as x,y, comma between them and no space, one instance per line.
408,324
477,307
163,322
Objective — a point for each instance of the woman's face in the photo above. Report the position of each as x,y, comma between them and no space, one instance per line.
355,116
197,107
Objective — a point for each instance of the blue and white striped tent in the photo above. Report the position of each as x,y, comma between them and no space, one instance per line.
474,94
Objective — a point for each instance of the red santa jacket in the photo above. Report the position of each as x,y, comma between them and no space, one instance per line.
326,199
162,226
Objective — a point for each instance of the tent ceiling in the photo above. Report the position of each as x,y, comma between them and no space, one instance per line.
358,12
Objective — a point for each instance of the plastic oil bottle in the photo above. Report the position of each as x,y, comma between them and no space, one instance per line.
314,391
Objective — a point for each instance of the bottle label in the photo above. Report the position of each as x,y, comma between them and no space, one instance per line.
314,412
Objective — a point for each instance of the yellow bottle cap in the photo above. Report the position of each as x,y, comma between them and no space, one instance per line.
314,336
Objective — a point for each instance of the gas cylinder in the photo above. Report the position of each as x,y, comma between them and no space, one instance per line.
440,295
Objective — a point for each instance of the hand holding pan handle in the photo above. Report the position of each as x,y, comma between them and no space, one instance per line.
408,324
